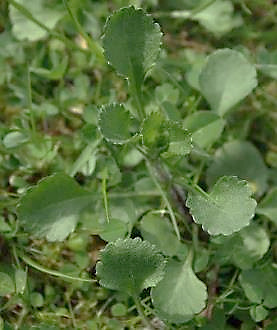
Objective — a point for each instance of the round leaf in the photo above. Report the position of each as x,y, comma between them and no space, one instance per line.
114,123
51,208
226,209
131,42
226,79
180,295
130,265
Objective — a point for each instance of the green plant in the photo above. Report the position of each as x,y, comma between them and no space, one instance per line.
171,188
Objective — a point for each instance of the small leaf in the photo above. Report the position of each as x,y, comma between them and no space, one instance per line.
226,79
159,231
226,209
113,230
219,17
154,137
20,280
14,139
258,313
205,126
6,284
51,208
130,265
268,205
180,294
260,285
180,143
242,159
131,42
114,123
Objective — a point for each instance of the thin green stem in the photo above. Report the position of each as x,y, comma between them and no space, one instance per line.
141,312
105,198
30,101
43,269
25,12
93,46
164,196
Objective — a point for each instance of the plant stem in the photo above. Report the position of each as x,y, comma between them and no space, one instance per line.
164,196
141,312
105,198
93,46
43,269
29,101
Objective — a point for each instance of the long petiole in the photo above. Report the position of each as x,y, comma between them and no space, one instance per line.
164,196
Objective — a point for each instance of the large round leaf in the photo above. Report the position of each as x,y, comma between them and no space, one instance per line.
130,265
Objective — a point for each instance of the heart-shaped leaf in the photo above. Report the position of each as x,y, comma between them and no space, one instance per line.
226,209
130,265
51,208
226,79
180,294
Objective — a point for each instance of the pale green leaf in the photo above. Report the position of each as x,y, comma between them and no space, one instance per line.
159,231
205,126
219,17
24,28
180,294
51,208
226,209
226,79
14,139
258,313
6,284
268,205
180,143
131,42
130,265
243,248
115,123
260,285
242,159
113,230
